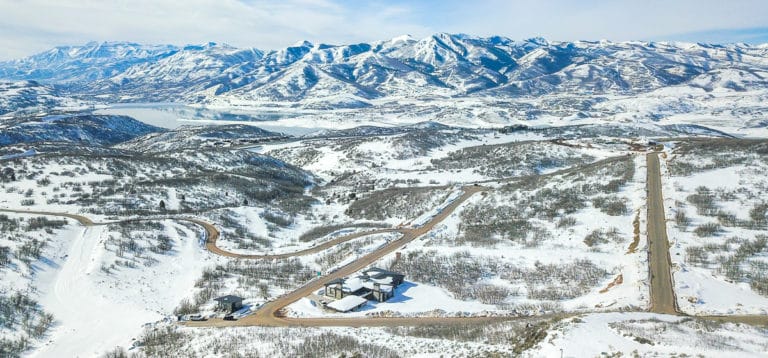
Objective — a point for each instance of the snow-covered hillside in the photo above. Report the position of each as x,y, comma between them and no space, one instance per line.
356,75
87,129
31,97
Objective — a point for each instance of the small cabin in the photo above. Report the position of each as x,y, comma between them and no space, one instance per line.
229,303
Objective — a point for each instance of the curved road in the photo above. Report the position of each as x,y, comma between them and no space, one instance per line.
268,314
81,219
662,291
210,244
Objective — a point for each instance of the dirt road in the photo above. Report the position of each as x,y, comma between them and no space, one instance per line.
81,219
267,315
753,320
662,292
376,321
211,245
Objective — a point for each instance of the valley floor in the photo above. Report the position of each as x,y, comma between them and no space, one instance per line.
544,244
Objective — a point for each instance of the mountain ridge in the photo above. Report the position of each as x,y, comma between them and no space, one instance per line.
356,75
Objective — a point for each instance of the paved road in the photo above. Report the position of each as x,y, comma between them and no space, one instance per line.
662,291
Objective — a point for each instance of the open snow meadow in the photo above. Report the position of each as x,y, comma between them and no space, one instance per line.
451,196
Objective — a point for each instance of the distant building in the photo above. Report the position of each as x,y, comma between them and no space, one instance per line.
229,303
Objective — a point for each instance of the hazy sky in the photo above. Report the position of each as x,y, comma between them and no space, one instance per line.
30,26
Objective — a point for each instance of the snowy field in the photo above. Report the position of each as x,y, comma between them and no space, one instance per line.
98,307
540,240
717,222
576,251
592,335
650,335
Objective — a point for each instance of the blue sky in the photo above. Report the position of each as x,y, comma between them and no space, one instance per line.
31,26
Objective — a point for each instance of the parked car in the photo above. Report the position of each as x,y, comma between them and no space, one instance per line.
229,317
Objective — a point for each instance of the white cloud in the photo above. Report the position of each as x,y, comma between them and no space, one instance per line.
602,19
36,25
29,26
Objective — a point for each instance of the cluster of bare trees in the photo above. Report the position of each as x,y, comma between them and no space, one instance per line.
702,333
239,232
718,154
511,159
462,274
602,236
131,241
208,285
332,257
22,319
319,231
299,157
219,179
25,232
511,214
407,203
20,312
329,344
250,275
736,258
611,205
44,223
167,341
520,335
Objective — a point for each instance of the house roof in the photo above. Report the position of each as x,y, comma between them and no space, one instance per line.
383,287
384,280
335,281
378,272
347,303
228,299
353,284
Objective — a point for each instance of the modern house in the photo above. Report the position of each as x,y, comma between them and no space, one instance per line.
229,303
374,284
340,288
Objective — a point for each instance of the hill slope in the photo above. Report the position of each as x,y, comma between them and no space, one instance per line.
330,76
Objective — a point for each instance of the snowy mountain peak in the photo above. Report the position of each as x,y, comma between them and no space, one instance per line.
402,38
446,64
209,45
540,41
303,43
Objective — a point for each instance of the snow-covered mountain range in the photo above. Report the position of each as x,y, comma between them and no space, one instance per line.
359,75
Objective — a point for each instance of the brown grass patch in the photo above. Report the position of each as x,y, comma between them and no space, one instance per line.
617,281
636,230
